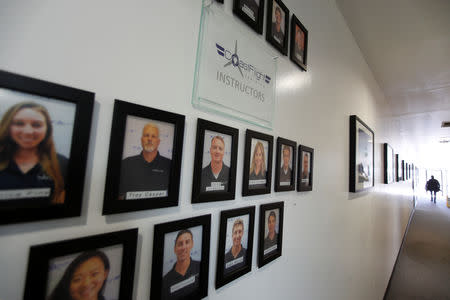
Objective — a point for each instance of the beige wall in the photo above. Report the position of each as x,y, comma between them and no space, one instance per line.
336,245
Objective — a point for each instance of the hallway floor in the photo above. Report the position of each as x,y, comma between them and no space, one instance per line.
423,266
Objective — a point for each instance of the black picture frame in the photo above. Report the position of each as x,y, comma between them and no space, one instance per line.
175,230
270,250
246,10
406,172
280,177
203,174
305,179
276,40
398,168
241,264
54,190
403,178
296,52
251,184
389,159
119,181
44,259
362,143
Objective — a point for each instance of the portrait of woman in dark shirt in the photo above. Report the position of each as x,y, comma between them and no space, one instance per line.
28,159
84,278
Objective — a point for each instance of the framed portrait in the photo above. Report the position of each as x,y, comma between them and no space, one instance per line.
270,238
403,178
277,28
305,168
362,140
95,267
257,163
299,43
44,140
181,259
234,257
389,159
215,162
144,159
398,169
251,12
285,165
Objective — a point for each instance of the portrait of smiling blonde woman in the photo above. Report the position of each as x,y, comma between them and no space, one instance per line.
28,158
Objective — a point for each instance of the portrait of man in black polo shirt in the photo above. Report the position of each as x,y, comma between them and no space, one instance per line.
183,277
147,174
286,168
271,236
215,175
235,255
278,24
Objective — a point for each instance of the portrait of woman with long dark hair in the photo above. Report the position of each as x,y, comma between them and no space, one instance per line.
84,278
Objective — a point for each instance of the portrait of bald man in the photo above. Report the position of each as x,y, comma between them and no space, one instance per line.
147,174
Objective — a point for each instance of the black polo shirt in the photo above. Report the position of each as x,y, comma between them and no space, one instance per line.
12,178
138,175
211,184
238,261
190,284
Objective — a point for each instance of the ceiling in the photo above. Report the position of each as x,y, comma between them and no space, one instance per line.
406,43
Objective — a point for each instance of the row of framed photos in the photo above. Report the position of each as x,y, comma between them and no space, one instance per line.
103,265
362,163
395,169
277,27
44,138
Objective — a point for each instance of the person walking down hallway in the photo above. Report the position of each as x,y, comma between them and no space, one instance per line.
433,186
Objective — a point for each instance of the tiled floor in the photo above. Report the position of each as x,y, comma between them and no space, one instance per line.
423,266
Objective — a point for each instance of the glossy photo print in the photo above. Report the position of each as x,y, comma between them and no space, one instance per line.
43,147
257,163
147,142
270,232
361,155
215,162
84,274
182,251
144,159
299,43
305,168
181,259
94,267
285,165
277,29
234,258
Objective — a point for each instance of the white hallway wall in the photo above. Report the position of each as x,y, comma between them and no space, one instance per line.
336,245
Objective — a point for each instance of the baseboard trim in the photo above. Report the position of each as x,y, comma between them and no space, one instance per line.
399,250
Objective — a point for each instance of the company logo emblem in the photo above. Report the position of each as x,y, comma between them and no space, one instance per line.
233,59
